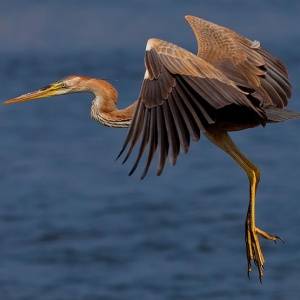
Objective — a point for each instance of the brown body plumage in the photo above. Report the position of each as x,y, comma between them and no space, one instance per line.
231,84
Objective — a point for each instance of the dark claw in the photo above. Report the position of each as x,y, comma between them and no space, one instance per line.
260,272
278,239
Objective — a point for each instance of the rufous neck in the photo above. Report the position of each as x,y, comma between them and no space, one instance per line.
104,107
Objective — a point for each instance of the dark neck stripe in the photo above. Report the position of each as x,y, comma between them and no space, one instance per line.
120,123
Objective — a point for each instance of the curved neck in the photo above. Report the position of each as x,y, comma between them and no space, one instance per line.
104,107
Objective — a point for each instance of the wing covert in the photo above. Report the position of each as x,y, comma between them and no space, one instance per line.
243,61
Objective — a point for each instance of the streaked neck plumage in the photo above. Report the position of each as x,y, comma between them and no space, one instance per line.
104,107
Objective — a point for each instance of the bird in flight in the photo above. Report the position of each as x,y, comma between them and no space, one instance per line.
231,84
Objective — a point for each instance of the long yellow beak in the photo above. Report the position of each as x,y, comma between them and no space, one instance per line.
55,89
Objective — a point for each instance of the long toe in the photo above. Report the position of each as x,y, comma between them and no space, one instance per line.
267,235
253,247
254,251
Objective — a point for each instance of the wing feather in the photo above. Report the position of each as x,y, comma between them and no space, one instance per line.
180,125
172,135
152,142
135,134
145,139
163,143
188,116
242,60
179,97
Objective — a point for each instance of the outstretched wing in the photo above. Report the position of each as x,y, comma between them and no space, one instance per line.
180,95
243,61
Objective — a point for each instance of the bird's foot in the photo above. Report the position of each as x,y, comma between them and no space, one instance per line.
253,248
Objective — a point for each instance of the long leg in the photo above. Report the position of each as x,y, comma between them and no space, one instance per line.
252,233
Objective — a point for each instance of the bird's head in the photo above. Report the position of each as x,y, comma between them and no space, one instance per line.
70,84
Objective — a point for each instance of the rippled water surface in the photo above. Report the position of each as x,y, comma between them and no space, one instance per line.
73,225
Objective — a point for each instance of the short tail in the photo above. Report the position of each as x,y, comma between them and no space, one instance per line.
279,115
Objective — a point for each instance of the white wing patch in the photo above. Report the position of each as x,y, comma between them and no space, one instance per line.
255,44
146,75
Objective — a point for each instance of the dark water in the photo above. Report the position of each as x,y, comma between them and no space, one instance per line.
73,225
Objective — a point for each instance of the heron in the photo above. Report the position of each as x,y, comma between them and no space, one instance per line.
232,83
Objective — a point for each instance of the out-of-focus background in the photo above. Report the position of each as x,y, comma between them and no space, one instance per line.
73,225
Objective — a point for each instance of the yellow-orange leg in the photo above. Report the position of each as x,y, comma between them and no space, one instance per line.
252,233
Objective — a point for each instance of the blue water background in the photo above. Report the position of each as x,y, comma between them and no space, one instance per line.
73,225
